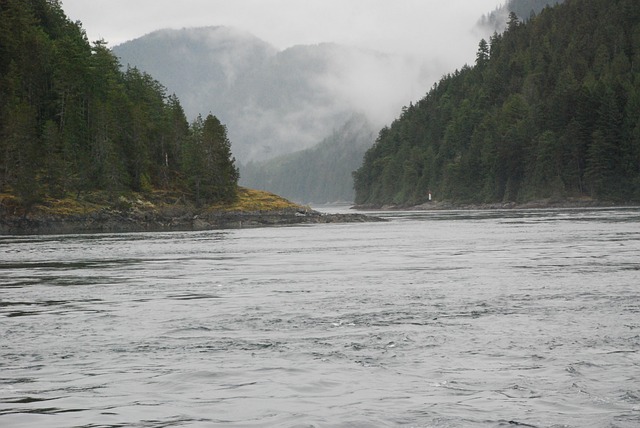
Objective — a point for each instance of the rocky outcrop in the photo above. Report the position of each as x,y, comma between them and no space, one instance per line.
138,220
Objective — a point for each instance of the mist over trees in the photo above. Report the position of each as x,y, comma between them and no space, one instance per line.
320,174
283,108
276,102
550,109
524,10
71,121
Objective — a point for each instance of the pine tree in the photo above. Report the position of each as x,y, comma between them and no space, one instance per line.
208,163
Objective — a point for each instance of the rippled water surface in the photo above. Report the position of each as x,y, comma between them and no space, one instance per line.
438,319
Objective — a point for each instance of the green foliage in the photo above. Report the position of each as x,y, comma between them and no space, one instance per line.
211,170
549,110
71,121
523,9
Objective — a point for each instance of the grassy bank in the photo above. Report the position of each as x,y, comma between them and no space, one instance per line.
249,200
156,210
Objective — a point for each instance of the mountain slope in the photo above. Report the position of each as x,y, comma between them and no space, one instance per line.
524,9
203,61
320,174
275,102
551,109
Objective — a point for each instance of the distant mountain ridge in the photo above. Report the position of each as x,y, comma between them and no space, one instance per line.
220,52
273,102
320,174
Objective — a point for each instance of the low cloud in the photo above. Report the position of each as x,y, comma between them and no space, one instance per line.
377,84
422,28
396,51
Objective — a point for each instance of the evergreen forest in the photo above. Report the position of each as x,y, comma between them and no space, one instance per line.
72,121
549,110
524,9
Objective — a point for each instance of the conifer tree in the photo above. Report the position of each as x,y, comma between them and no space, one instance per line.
209,165
71,121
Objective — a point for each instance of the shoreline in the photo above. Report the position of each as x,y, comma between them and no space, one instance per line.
143,216
536,204
105,221
159,212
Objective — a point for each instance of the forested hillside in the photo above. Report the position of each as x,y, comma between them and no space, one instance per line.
524,9
72,122
321,174
550,109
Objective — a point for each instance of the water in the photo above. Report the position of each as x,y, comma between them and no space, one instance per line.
438,319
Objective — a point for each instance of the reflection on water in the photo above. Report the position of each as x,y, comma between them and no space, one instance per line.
434,319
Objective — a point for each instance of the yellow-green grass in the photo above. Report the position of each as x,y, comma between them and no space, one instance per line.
248,200
251,200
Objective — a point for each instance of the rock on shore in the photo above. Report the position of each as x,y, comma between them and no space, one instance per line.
577,202
135,214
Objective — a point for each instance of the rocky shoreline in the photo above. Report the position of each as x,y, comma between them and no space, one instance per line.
536,204
115,221
143,216
156,212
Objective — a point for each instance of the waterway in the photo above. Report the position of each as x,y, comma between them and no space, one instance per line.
432,319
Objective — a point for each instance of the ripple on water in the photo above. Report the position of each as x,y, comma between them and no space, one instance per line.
468,319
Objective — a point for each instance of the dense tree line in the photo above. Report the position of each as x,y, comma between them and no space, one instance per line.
551,108
72,121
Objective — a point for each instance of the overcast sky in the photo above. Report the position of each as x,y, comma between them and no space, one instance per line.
424,27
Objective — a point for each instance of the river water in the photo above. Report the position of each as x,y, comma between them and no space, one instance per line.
432,319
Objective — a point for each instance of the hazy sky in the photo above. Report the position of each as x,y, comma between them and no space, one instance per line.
425,27
433,37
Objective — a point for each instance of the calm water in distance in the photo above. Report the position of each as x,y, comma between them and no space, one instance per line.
434,319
